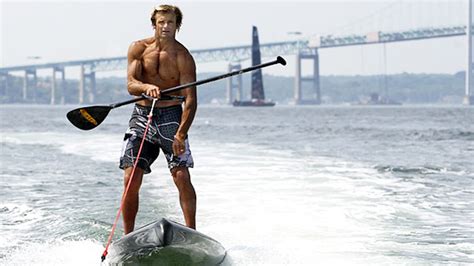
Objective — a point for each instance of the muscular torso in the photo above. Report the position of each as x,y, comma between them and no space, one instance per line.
160,68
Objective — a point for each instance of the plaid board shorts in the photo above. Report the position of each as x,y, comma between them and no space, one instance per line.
160,135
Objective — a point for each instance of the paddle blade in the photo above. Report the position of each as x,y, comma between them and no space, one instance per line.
87,118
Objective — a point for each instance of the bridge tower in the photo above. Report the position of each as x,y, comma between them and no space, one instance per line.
231,85
87,83
308,54
54,84
469,97
27,84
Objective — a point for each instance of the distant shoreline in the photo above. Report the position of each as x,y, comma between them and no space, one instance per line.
404,88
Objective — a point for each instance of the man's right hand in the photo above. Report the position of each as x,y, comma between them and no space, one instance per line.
153,91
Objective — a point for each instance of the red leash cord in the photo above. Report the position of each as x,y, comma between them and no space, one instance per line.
150,115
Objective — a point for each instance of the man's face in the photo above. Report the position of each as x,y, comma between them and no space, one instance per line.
165,26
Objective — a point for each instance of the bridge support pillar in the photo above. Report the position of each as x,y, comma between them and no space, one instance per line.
314,80
469,97
54,85
27,84
87,83
231,85
297,97
91,89
81,86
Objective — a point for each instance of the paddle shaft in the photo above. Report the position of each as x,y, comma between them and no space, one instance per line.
279,60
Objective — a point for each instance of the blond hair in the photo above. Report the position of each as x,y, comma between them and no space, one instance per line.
166,9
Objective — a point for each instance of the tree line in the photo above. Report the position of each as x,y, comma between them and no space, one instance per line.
335,89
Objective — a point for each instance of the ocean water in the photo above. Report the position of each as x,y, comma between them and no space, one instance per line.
285,185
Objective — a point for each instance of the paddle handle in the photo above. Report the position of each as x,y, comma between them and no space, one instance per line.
279,60
127,102
144,96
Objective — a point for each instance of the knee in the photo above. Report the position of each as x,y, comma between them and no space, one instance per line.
136,180
181,177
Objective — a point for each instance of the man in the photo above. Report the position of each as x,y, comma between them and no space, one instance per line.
155,64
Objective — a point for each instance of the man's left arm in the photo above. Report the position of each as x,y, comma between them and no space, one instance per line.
187,69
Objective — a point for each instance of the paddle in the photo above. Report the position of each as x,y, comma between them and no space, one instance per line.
87,118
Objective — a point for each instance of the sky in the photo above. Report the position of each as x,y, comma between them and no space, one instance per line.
59,31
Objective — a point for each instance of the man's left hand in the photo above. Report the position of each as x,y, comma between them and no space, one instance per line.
178,146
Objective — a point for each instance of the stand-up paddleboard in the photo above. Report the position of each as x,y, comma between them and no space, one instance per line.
165,242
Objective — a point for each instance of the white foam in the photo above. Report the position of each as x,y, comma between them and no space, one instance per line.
97,146
256,204
17,221
85,252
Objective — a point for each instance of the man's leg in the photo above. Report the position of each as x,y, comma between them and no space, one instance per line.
130,204
187,195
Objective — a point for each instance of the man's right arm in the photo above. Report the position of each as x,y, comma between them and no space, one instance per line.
134,70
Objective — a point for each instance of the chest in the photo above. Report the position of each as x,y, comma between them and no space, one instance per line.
161,66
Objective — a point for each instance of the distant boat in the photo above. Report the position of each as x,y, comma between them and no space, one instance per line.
254,102
376,99
257,93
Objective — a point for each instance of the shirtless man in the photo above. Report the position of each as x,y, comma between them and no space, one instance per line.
155,64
